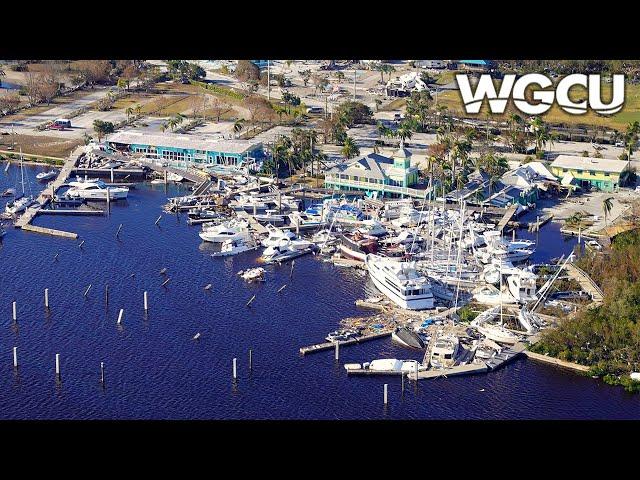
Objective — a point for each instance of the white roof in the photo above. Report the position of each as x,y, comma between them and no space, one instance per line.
175,140
589,163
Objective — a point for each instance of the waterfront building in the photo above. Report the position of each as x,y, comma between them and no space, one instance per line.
476,65
180,149
588,172
377,174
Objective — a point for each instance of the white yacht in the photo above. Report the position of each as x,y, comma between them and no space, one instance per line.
233,247
270,217
95,190
305,220
276,236
224,231
445,351
281,253
401,282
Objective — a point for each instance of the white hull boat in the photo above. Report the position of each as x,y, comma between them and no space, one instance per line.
401,282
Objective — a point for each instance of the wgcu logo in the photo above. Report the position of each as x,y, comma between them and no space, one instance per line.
543,99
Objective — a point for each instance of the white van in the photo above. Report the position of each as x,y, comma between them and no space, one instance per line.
315,110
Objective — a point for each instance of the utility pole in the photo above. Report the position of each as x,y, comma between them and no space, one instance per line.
354,84
268,80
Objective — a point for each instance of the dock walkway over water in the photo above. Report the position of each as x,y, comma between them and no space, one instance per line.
586,282
507,216
24,221
192,174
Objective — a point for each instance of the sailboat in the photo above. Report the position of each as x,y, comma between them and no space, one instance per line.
20,204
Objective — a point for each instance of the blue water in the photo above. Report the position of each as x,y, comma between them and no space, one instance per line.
154,370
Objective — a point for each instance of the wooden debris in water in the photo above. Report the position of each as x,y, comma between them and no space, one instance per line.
165,282
282,288
251,300
208,287
196,336
163,271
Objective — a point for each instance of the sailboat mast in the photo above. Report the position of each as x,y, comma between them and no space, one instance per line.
21,171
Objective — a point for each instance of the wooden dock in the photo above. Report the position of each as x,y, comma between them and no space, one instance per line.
253,223
49,231
45,197
586,282
468,369
332,345
506,217
69,211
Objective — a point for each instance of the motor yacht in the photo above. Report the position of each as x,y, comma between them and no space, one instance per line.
401,282
95,189
233,247
357,245
224,231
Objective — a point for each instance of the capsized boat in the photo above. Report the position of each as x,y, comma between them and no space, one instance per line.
407,337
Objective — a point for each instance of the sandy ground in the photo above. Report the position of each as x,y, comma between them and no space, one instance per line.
591,204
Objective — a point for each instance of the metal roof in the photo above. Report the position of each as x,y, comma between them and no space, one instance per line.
175,140
589,163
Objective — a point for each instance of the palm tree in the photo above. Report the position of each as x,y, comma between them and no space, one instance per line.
631,139
128,112
138,109
404,131
607,205
349,148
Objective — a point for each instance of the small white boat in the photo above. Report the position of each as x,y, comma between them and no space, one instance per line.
9,192
277,236
445,351
42,176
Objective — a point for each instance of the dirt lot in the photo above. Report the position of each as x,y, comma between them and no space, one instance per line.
39,145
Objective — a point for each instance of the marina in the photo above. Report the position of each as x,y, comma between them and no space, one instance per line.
272,270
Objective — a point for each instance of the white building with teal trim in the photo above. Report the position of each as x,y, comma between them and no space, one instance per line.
181,149
388,176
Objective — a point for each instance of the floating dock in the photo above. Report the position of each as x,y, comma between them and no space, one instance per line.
49,231
331,345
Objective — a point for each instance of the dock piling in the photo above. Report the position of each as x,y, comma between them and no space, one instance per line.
386,387
158,220
165,282
235,370
337,355
146,302
118,232
55,257
106,294
81,244
251,300
120,315
86,292
250,359
15,313
58,366
46,298
402,386
102,373
282,288
15,357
